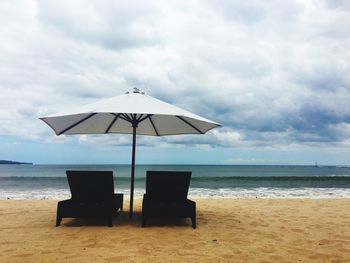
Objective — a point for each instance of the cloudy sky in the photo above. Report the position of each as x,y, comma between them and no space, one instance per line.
275,74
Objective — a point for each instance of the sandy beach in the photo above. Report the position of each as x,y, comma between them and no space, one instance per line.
229,230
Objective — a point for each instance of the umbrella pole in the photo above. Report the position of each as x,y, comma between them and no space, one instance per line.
132,171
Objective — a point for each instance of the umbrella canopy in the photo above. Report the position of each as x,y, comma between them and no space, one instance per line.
131,113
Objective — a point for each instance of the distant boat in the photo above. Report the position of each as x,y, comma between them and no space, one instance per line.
316,164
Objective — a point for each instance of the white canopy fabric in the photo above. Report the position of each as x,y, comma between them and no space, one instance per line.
130,113
114,115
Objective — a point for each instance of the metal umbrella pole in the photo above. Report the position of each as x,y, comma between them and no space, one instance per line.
134,126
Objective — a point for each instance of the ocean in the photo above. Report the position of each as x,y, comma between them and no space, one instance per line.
234,181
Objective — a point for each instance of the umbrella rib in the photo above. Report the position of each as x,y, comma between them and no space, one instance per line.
77,123
112,123
139,118
154,127
125,117
146,117
190,124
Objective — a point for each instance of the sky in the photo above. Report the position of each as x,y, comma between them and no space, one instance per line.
275,74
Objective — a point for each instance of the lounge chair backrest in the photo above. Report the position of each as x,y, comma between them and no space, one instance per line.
91,185
166,185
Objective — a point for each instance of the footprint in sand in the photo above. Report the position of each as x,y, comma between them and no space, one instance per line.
297,230
24,255
324,242
117,259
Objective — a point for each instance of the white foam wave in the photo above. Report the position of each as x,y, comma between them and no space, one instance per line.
260,192
265,192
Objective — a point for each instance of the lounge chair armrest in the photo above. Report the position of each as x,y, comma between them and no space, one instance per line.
191,202
119,196
188,200
63,202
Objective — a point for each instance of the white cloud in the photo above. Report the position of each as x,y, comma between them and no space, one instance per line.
272,72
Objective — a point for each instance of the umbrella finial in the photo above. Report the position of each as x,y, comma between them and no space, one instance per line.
135,90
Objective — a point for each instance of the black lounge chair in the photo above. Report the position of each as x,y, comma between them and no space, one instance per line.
166,196
92,197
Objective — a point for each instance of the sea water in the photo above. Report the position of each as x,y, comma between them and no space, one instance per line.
234,181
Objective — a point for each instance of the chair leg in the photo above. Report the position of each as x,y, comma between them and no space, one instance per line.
121,202
110,222
193,219
58,220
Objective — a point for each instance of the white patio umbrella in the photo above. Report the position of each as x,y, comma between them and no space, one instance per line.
131,113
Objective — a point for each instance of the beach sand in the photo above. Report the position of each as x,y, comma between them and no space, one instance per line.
229,230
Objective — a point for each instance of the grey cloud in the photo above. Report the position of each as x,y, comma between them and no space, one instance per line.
338,4
273,73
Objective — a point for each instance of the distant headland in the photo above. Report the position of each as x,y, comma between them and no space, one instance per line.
12,162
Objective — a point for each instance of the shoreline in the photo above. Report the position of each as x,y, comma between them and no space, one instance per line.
229,230
198,198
